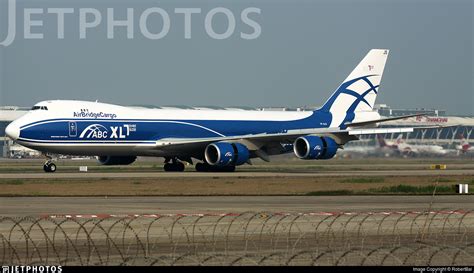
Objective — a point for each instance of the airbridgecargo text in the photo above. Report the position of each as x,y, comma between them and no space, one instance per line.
87,114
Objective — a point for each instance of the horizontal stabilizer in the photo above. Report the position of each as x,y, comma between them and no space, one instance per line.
436,126
370,122
380,131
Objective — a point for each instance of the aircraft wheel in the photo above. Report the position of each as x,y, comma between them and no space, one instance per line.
204,167
49,167
229,169
177,167
180,167
168,167
201,167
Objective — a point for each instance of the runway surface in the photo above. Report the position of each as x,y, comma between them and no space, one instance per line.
37,206
60,175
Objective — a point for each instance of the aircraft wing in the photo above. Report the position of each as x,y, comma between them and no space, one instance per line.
256,141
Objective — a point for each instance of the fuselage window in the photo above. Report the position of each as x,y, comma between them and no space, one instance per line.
39,108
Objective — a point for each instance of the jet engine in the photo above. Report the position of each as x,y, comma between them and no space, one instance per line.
315,147
116,160
226,154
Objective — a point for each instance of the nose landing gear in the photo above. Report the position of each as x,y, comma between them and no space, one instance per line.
49,167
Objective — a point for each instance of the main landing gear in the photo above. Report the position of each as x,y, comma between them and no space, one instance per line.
174,166
204,167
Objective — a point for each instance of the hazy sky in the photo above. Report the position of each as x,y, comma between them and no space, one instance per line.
304,51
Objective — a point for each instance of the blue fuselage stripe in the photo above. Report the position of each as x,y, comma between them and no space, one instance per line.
146,131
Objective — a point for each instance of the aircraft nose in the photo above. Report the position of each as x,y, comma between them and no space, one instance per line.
12,131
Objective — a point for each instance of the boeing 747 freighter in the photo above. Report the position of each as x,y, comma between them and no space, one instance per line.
219,139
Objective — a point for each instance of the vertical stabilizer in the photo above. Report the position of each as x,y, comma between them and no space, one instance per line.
359,90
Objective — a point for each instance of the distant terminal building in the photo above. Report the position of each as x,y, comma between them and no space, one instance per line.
387,111
7,115
451,129
454,127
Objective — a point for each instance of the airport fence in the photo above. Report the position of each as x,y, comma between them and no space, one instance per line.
252,238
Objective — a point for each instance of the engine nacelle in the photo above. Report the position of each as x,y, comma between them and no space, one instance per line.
226,154
315,147
116,160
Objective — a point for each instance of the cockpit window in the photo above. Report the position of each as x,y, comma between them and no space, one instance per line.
39,108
